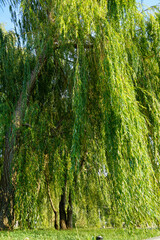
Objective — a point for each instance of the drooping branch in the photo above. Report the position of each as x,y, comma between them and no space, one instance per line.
48,191
24,97
71,44
8,178
52,205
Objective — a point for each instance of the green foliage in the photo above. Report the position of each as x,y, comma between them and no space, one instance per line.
91,121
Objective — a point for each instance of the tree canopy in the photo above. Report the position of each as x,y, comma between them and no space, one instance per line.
80,114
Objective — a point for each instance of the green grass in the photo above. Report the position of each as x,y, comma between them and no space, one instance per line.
80,234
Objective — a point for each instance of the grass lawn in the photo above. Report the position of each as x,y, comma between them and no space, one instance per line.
80,234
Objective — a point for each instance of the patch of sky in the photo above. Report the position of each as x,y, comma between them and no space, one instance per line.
103,172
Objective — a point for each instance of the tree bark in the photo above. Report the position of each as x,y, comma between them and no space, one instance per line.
62,211
66,217
70,212
8,177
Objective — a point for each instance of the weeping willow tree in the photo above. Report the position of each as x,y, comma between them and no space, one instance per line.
85,120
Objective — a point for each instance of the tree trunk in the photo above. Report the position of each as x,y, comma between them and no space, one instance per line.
55,212
62,211
8,177
7,187
52,206
66,219
70,212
